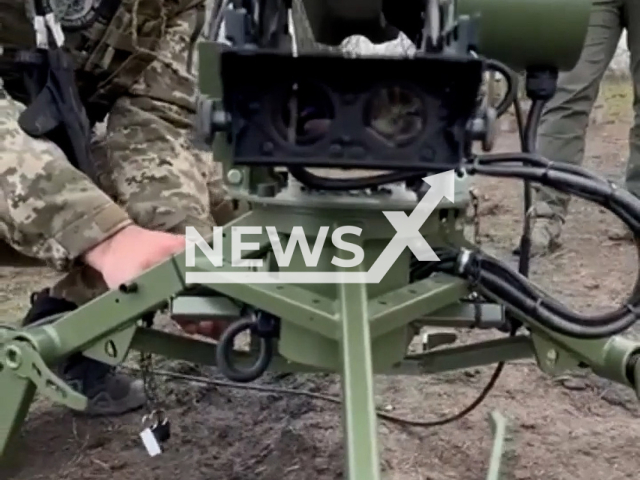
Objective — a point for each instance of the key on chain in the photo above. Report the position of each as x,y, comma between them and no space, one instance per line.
158,432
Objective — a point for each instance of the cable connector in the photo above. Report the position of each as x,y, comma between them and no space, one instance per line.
541,83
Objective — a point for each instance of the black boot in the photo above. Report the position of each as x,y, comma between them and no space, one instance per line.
108,392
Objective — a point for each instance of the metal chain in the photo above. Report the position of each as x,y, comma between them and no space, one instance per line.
148,378
475,203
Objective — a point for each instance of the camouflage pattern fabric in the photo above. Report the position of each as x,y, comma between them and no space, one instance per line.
48,210
149,174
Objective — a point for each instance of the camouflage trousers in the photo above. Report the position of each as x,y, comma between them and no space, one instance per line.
150,170
562,131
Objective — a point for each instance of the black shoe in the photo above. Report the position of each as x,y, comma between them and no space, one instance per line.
108,392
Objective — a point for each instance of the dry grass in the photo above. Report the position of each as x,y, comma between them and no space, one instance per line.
616,99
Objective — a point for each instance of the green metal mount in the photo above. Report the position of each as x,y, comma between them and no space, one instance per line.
499,429
358,330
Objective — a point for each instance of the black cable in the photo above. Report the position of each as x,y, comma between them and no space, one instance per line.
500,280
517,107
511,79
217,16
533,120
575,325
317,182
498,268
329,398
528,139
597,190
537,160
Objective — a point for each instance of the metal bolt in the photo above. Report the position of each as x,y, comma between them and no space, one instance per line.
234,176
13,357
128,288
552,356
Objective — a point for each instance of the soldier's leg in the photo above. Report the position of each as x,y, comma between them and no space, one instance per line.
149,169
158,194
632,21
561,135
25,227
631,17
108,391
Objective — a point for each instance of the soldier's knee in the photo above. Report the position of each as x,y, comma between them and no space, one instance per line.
80,286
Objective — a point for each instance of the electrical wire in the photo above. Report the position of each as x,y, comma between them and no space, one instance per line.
317,182
528,136
216,19
333,399
511,79
500,280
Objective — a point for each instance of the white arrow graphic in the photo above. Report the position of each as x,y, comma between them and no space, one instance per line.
407,236
408,227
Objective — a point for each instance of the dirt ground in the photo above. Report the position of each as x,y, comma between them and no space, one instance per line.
562,429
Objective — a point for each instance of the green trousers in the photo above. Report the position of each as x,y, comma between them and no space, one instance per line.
562,131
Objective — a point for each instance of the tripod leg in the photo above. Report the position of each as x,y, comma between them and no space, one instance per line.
360,420
15,400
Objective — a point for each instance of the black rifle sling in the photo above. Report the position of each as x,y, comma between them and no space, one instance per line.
55,111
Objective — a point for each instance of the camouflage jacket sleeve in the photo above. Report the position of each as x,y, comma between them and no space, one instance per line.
151,159
48,209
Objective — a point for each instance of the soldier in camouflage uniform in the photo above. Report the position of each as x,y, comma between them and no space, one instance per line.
564,123
150,180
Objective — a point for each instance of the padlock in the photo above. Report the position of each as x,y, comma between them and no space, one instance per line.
162,431
159,431
150,442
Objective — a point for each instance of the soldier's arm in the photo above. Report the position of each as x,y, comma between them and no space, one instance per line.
152,160
48,209
161,103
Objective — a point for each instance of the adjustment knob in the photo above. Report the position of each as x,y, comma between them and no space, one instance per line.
209,120
484,128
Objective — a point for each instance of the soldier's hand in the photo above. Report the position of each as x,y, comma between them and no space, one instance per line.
130,252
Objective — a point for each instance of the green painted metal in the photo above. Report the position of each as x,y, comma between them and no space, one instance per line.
17,395
348,317
499,430
547,33
359,419
209,80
